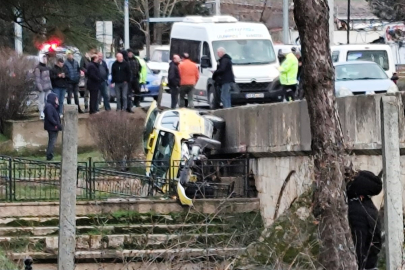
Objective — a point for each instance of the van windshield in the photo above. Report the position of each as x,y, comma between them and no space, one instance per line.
247,52
378,56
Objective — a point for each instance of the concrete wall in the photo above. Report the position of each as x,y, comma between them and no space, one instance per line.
283,129
278,137
30,134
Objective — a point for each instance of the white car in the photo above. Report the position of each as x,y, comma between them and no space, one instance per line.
159,62
361,78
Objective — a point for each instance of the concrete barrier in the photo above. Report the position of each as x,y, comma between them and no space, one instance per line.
30,134
283,129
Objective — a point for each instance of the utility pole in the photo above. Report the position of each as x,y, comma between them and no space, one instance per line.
348,21
157,30
393,215
331,4
126,21
286,27
217,7
18,35
67,201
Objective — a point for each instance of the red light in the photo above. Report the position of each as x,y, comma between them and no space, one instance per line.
46,46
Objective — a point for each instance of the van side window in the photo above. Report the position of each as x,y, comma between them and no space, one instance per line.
206,51
335,56
181,46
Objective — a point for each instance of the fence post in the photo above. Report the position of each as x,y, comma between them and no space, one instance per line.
393,215
67,203
10,179
90,179
28,263
247,176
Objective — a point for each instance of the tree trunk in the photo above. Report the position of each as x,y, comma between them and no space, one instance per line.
328,149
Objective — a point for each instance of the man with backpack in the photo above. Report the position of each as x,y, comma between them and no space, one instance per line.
43,83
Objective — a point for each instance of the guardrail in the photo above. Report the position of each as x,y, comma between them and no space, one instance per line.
33,180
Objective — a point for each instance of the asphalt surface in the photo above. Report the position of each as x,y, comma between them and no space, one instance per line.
166,102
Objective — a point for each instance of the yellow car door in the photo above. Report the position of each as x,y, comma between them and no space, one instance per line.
150,133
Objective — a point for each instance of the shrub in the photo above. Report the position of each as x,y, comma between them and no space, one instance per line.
15,85
118,135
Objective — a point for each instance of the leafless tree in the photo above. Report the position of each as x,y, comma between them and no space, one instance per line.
328,147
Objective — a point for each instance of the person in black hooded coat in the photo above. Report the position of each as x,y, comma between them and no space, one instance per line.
52,123
363,218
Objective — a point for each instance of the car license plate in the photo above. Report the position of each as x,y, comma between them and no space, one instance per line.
256,95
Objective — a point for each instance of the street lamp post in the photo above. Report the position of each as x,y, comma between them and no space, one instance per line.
126,24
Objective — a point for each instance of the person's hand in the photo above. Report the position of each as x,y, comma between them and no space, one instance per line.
125,82
81,73
56,127
59,75
113,85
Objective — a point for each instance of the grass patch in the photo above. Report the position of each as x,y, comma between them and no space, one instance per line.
81,157
5,263
3,138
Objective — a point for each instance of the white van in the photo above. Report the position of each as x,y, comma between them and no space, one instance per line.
380,54
255,63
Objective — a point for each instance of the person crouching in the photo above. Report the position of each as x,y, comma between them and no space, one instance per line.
52,123
363,218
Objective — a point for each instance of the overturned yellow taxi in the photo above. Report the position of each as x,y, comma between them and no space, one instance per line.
173,139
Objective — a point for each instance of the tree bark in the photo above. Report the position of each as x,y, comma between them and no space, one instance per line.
330,158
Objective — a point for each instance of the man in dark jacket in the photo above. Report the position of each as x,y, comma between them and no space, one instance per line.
52,123
120,77
74,77
93,82
84,62
174,80
133,88
224,76
103,93
60,78
363,218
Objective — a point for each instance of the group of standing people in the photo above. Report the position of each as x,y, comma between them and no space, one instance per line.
184,75
182,78
128,75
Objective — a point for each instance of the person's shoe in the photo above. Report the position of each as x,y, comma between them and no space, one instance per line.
42,116
130,111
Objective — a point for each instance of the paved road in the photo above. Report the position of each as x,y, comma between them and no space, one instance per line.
166,102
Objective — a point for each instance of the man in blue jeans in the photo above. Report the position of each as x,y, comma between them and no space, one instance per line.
59,79
103,93
224,77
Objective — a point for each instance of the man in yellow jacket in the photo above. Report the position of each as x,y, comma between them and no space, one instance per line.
288,75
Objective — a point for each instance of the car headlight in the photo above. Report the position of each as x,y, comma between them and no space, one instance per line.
392,89
156,82
344,92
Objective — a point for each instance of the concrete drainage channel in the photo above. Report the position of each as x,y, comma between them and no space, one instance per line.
135,235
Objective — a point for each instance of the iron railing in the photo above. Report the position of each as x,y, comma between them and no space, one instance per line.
32,180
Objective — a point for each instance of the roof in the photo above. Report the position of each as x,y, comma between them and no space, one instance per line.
357,62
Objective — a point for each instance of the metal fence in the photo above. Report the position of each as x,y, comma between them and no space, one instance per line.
32,180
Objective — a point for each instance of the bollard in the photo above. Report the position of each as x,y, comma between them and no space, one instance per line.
27,263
